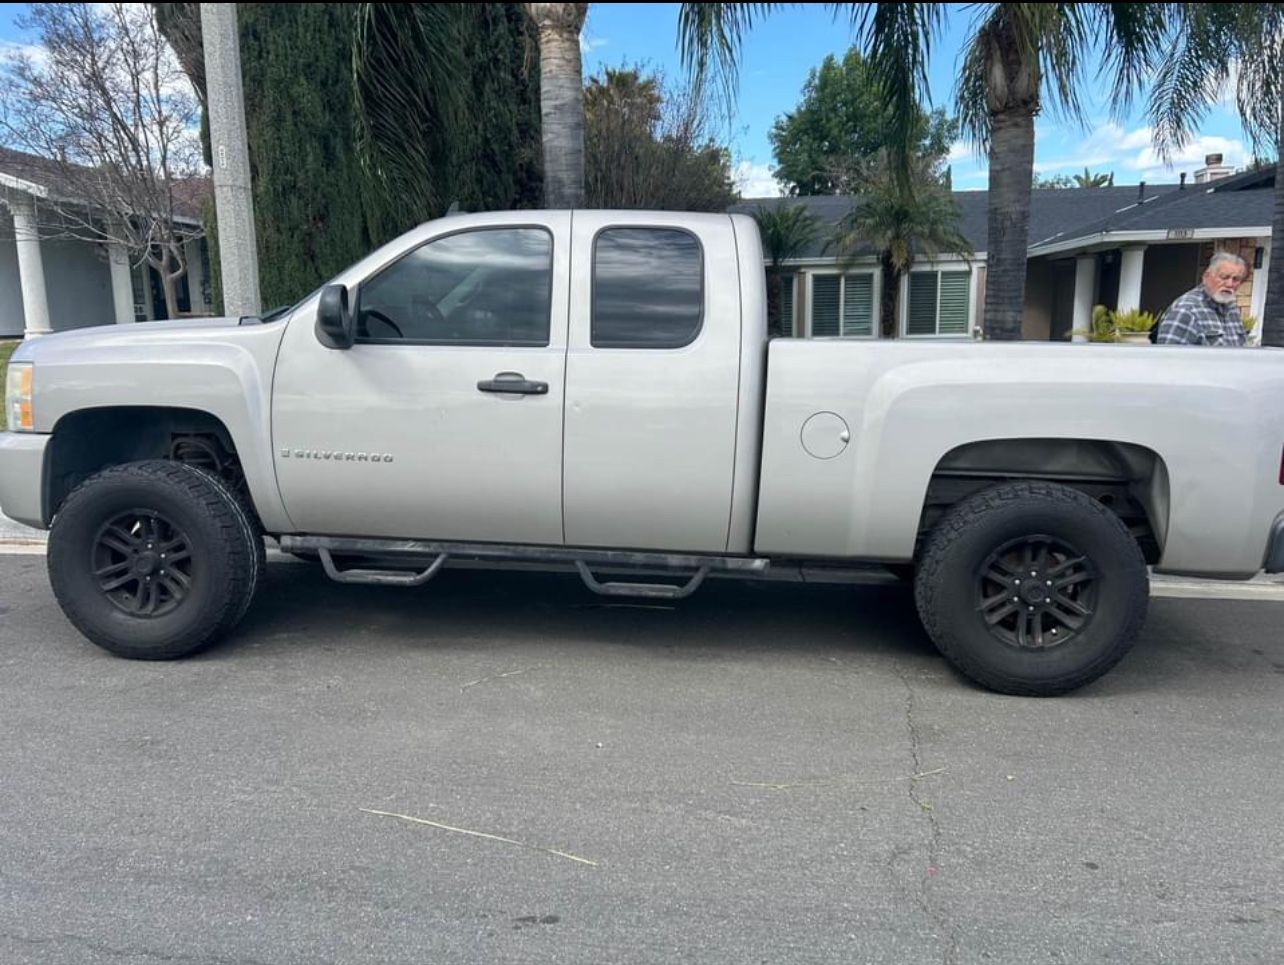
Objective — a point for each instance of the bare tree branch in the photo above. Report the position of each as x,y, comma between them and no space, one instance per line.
113,126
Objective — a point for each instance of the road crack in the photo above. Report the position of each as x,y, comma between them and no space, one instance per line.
917,775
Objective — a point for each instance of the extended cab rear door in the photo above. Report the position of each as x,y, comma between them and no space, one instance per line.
652,381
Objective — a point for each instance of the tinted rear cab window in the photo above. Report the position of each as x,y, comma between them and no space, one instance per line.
648,288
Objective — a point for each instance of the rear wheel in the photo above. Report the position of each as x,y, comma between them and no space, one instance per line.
1032,588
154,560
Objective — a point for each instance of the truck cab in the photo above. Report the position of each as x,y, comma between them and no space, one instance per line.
584,380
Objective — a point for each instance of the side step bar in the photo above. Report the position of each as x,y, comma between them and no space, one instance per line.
655,591
381,577
397,554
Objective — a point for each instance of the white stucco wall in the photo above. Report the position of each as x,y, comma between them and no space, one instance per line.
12,321
81,295
77,280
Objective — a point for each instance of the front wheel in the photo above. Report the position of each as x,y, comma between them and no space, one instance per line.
153,560
1032,588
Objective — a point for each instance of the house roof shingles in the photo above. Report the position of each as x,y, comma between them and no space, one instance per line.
1193,208
190,195
1067,214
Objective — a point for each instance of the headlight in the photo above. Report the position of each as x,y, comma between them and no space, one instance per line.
17,397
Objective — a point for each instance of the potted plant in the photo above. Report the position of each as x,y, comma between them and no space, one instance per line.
1103,327
1134,326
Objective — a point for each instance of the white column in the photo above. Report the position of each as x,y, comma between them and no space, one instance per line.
1258,306
1085,285
1130,270
31,268
122,285
195,277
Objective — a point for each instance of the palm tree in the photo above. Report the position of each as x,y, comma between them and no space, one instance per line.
1210,46
786,229
561,92
901,222
408,73
1090,180
1020,55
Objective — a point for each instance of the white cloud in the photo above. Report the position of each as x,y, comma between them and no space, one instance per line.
590,44
1189,159
961,151
755,181
11,51
1142,137
1105,146
1131,154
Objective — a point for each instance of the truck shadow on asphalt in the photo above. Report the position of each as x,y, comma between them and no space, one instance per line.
512,607
1185,642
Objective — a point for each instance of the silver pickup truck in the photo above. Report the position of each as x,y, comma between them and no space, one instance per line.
596,389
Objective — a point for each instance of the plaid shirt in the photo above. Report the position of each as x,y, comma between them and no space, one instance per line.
1195,319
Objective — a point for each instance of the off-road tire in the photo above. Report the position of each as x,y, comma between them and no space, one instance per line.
980,537
218,536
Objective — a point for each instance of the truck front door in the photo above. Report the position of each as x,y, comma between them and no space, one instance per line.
444,420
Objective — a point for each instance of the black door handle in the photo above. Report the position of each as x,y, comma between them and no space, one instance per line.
513,382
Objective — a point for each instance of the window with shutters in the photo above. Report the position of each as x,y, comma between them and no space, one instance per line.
938,303
788,287
842,305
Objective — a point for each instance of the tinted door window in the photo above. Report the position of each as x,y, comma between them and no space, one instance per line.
648,288
489,287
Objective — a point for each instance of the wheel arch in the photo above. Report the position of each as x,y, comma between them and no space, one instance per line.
86,441
1129,479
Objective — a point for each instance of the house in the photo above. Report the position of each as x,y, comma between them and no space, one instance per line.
51,283
1122,247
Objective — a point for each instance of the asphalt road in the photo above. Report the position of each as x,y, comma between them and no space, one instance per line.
764,773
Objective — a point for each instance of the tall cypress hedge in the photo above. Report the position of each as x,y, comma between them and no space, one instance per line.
317,207
296,68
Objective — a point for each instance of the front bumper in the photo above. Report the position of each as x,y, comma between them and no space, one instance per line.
1275,548
22,471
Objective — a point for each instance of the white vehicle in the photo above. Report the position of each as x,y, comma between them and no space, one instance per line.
597,389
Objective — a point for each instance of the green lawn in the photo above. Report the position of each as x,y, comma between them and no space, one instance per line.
6,349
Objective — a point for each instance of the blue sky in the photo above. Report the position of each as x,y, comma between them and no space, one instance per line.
781,50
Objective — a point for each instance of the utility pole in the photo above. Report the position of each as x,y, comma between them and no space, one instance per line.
234,204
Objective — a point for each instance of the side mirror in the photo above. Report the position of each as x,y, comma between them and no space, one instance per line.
336,326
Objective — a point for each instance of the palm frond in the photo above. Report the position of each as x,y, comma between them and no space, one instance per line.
1059,35
897,39
408,80
787,228
1259,92
1187,82
902,222
972,95
1137,36
710,36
